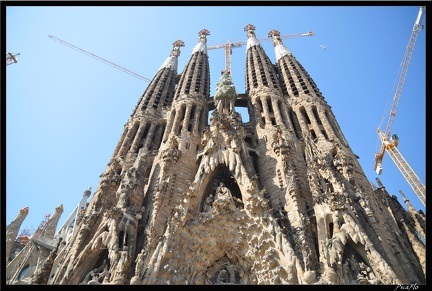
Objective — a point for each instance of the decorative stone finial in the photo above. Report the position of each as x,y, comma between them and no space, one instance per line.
275,34
250,30
176,47
203,35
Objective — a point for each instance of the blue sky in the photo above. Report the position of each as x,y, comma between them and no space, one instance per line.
65,111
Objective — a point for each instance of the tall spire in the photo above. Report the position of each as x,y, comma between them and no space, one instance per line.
195,79
260,72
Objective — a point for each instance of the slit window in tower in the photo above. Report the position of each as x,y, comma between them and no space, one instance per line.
183,111
324,133
315,113
143,137
330,230
198,78
192,118
201,117
313,135
273,77
252,69
333,126
304,114
157,100
157,137
168,90
269,104
121,237
262,123
247,77
147,171
182,115
295,123
146,130
260,107
283,114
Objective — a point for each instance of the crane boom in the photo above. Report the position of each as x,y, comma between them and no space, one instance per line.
411,177
405,64
99,58
228,46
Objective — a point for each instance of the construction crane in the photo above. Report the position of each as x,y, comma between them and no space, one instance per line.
228,46
99,58
388,143
11,58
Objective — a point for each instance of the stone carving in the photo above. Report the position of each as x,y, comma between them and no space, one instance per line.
225,94
13,228
298,223
139,268
223,200
223,272
208,203
343,163
96,276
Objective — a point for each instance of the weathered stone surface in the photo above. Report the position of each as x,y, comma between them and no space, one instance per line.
281,199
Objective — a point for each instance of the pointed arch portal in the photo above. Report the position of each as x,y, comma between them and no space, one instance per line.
221,175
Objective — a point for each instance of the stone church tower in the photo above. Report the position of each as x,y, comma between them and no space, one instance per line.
280,199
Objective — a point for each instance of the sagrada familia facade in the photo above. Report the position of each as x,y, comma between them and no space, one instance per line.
193,195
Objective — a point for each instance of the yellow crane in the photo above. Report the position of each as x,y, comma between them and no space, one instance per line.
11,58
388,143
99,58
228,46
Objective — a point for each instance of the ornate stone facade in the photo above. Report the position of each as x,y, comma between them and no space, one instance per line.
280,199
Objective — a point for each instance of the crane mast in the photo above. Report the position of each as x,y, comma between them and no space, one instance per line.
403,166
99,58
388,143
228,46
